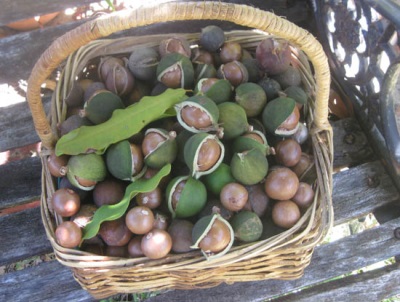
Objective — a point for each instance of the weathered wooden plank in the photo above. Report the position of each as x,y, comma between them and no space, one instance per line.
18,9
48,281
16,125
19,58
329,261
351,146
12,11
20,182
376,285
360,190
22,236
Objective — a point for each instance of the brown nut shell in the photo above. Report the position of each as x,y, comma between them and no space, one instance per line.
285,214
234,196
66,202
139,220
304,195
68,234
281,184
288,152
156,244
115,232
217,239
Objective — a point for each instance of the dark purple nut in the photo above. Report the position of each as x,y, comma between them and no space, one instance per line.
75,96
258,201
254,71
181,234
92,89
115,232
107,64
175,45
201,56
120,81
73,122
143,63
271,87
230,51
235,72
135,247
109,191
212,38
273,55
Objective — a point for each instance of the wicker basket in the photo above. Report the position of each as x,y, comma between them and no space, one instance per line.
283,256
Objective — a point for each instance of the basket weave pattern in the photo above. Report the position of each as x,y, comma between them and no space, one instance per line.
283,256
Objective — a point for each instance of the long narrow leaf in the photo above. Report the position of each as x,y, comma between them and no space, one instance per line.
115,211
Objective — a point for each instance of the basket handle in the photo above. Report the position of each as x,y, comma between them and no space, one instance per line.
176,11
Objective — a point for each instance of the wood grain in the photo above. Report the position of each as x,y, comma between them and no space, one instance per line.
49,281
16,10
361,190
20,52
22,236
16,125
373,285
20,182
351,146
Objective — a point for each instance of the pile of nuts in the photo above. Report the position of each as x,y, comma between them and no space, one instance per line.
235,140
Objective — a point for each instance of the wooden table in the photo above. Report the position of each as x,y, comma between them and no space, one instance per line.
363,187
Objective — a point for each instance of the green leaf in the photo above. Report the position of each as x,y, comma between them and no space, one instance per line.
115,211
123,124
